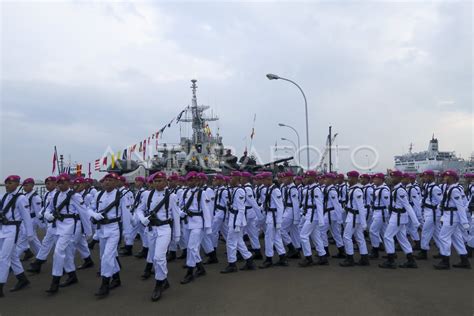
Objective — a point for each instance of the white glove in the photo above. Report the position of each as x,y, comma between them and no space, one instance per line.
30,238
40,216
208,231
237,229
49,217
296,222
465,226
97,216
364,226
134,221
278,226
145,221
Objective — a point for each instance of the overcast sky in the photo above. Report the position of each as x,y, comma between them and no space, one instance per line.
83,76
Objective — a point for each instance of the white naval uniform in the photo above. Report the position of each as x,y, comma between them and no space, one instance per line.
431,215
332,216
219,224
273,208
207,244
252,213
109,233
356,221
127,216
380,206
414,198
313,217
16,215
49,239
34,203
470,214
454,221
199,218
400,212
73,210
80,239
137,228
290,232
368,190
236,224
162,225
174,244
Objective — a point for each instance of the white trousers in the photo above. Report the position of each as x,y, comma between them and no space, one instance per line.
235,241
377,230
358,233
219,225
48,242
430,230
252,231
451,235
310,230
108,255
9,258
158,246
63,258
138,229
194,244
273,239
23,244
400,231
336,233
290,232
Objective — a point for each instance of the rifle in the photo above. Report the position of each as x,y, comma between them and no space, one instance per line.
10,204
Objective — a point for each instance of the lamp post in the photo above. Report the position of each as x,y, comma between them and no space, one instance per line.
290,141
297,136
275,77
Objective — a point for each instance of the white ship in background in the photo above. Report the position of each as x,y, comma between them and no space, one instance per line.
431,159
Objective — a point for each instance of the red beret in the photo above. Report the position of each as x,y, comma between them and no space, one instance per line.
246,174
299,178
122,178
330,176
227,179
396,173
111,175
79,180
182,178
28,181
288,174
13,178
89,180
311,173
191,175
428,173
158,175
219,177
353,174
469,175
51,178
266,175
63,177
379,176
365,176
140,179
451,173
340,176
235,174
173,177
202,176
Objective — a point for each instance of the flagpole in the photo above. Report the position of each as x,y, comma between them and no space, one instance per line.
253,130
57,159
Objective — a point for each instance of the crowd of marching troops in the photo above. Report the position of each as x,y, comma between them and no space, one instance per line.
298,217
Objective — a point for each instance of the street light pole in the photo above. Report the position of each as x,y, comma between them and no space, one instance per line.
275,77
297,136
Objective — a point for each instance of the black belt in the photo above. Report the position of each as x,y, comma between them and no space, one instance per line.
13,223
32,215
273,210
107,221
193,214
222,208
380,208
399,212
288,204
354,212
157,223
451,216
433,209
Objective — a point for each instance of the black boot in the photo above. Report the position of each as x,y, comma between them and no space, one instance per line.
422,255
389,263
171,256
22,283
35,266
417,245
126,251
348,262
184,254
71,279
239,257
283,261
291,250
464,264
88,263
327,252
374,253
257,254
267,263
307,262
469,251
249,265
444,264
156,294
54,287
200,271
322,261
104,288
438,256
364,260
341,253
116,282
411,263
147,272
1,290
189,277
232,267
166,284
142,254
212,258
28,255
296,255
